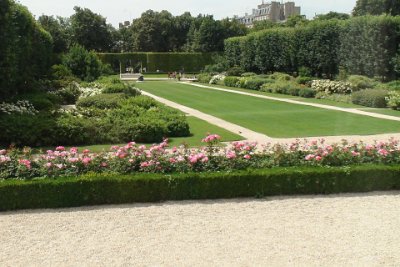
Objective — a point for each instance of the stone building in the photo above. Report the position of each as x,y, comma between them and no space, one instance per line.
273,11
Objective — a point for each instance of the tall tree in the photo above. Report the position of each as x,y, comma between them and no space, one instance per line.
332,15
57,27
90,30
376,7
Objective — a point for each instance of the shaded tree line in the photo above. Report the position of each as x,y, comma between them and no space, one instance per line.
365,45
152,32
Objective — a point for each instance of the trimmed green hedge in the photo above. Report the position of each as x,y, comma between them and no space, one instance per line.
96,189
165,62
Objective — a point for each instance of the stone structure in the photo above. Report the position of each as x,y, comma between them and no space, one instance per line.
273,11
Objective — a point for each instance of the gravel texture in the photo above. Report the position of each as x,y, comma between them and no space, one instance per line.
336,230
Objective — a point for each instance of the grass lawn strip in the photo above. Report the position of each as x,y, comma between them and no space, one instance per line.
273,118
355,111
244,132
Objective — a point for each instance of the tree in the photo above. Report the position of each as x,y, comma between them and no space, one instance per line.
90,30
83,64
332,15
57,27
376,7
296,20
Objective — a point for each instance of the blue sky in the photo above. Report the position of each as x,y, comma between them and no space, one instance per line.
120,10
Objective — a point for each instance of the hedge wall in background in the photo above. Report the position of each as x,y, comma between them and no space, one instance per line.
164,62
96,189
25,49
362,45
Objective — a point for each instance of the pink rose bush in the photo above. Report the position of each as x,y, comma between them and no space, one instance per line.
160,158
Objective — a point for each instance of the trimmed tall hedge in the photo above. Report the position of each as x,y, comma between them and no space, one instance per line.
165,62
96,189
362,45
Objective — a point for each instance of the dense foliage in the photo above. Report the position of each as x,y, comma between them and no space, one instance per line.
25,50
322,46
187,62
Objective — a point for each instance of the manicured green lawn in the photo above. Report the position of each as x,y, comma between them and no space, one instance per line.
198,128
297,98
383,111
273,118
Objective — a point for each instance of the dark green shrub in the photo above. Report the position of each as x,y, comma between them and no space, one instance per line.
114,88
373,98
41,101
280,76
248,74
304,72
359,82
28,130
101,101
178,127
294,91
278,88
304,80
204,77
231,81
235,71
74,130
255,83
97,189
83,64
307,92
69,94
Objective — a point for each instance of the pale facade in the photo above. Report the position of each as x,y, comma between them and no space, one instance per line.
273,11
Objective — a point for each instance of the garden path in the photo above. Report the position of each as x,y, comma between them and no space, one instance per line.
253,136
334,230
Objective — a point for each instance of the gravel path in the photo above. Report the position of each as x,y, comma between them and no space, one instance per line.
336,230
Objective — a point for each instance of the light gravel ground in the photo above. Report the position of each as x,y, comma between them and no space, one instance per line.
336,230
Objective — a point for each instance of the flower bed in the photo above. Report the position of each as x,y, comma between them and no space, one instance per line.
133,158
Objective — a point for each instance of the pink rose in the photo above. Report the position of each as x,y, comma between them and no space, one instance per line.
60,148
86,160
247,156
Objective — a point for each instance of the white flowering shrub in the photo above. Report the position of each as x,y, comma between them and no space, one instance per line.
89,91
393,100
20,107
216,78
331,87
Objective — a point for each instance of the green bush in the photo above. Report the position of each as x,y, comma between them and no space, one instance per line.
255,83
307,92
101,101
373,98
304,80
359,82
114,88
231,81
279,88
280,76
97,189
83,64
235,71
74,130
248,74
304,72
204,77
28,130
393,100
394,85
69,94
41,101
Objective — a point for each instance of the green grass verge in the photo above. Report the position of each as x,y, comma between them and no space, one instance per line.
97,189
389,112
198,128
273,118
297,98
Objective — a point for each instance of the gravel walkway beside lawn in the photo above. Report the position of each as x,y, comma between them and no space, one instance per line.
336,230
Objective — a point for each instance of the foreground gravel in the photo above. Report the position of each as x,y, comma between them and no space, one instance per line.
355,229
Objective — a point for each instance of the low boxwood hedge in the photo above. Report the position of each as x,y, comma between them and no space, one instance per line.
96,189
